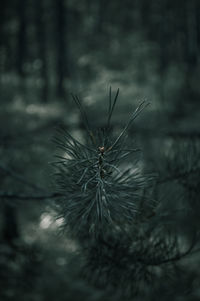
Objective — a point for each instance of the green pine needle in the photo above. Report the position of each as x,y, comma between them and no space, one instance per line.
98,192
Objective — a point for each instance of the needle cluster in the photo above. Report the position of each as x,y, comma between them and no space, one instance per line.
101,179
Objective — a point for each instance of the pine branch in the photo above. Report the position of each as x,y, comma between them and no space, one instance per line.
19,178
178,176
98,191
14,196
177,257
57,195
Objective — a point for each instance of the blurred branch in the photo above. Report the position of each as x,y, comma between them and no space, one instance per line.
19,178
8,195
178,176
133,258
177,257
9,139
154,132
15,196
20,136
184,135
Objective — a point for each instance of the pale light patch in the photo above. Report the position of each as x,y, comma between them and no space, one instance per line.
66,156
77,134
84,60
46,221
89,100
35,109
61,261
59,221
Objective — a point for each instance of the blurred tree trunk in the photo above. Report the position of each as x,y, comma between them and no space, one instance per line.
21,48
6,51
189,51
192,42
163,49
62,56
102,7
42,51
192,51
2,36
2,20
10,225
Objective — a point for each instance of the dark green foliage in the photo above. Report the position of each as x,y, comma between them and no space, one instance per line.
101,181
128,240
133,264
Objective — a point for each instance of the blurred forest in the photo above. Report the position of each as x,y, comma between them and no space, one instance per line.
50,49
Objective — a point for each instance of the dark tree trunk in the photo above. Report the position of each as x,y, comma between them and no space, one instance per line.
2,35
6,53
61,34
42,53
10,226
2,19
102,5
192,53
21,49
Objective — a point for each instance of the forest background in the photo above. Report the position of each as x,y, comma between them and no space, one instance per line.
50,49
